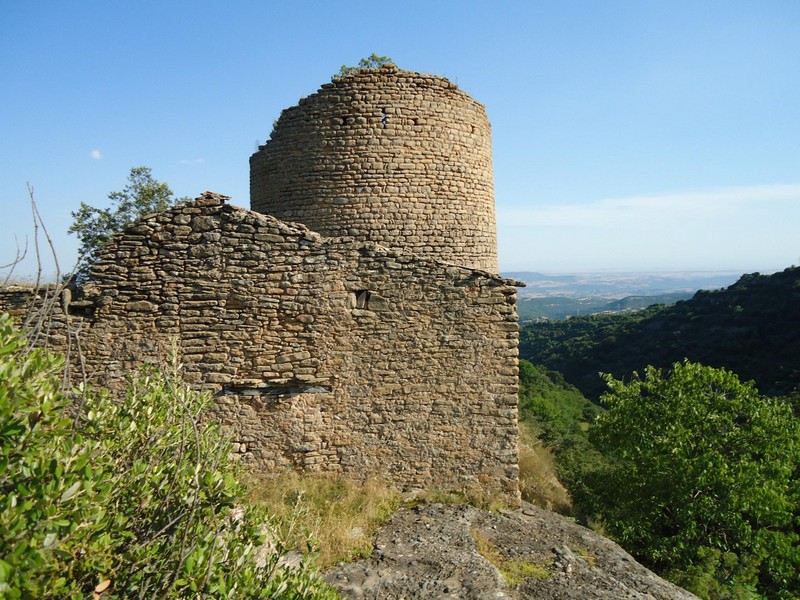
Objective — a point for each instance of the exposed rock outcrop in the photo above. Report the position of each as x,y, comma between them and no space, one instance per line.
431,552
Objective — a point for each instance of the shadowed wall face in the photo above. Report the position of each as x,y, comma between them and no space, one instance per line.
390,156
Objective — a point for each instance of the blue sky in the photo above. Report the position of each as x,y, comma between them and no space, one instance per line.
638,135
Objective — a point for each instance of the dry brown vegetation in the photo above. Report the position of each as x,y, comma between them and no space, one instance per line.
336,516
538,481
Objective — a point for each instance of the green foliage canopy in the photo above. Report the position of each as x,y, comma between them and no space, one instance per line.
95,226
135,495
704,467
560,410
561,417
751,328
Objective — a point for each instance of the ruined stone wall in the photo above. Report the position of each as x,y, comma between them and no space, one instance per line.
40,312
328,355
385,155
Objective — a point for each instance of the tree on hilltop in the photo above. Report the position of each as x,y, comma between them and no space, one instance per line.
95,226
373,61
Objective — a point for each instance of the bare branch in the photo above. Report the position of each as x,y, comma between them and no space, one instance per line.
18,258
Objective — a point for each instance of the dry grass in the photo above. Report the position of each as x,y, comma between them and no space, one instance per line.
590,558
474,496
538,481
514,571
338,517
331,515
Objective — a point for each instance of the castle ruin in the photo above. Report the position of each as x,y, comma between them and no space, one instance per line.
353,321
387,156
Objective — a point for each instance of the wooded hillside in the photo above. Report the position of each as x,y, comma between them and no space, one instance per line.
751,328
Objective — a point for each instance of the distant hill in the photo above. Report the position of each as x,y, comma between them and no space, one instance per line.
751,328
556,308
614,286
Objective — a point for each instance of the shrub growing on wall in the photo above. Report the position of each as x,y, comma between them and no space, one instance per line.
131,498
373,61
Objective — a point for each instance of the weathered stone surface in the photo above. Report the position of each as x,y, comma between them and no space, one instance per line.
390,372
392,156
430,552
385,345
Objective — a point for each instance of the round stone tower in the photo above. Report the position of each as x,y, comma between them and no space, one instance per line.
385,155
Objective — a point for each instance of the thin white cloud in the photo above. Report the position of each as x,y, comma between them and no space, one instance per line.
686,205
96,154
709,228
193,161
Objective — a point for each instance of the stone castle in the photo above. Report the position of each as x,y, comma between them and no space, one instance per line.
353,321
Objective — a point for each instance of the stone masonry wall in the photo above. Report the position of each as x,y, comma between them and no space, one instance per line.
324,354
385,155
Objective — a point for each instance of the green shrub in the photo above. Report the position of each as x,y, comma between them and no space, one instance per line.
704,480
373,61
561,418
133,496
719,575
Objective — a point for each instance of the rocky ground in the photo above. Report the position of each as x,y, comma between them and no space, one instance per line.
439,551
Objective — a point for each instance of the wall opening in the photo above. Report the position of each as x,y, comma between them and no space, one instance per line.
82,309
275,391
368,300
362,299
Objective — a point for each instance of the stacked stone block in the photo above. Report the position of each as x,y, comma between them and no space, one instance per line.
324,354
385,155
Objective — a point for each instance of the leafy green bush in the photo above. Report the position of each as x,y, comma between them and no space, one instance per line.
717,574
560,408
131,498
373,61
704,481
